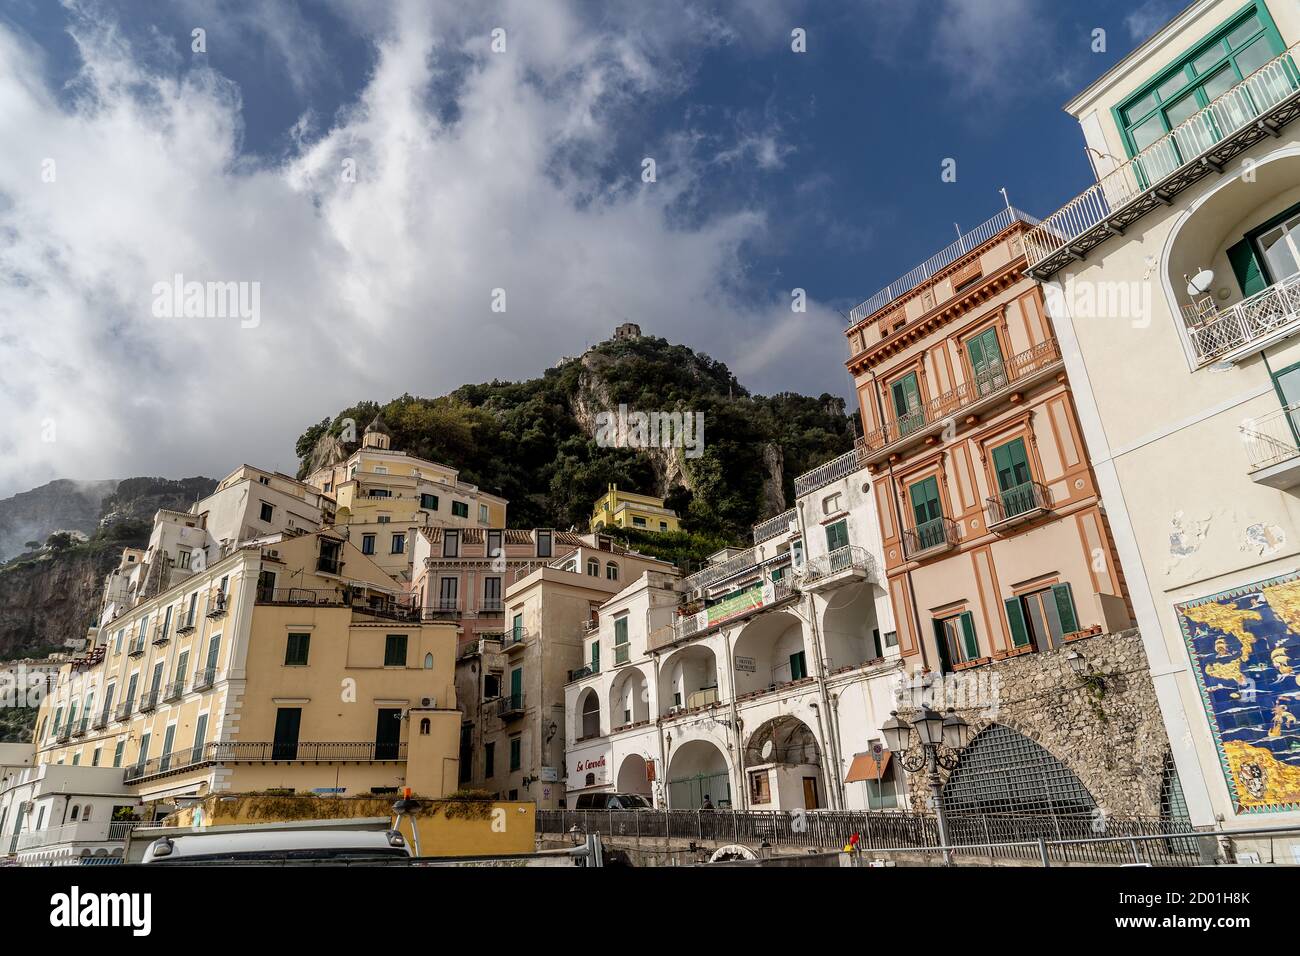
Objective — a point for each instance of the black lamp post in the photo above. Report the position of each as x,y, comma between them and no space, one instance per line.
942,739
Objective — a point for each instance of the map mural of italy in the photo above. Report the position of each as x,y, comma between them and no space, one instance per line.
1245,647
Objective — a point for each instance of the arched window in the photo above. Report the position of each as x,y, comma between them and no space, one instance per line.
611,571
76,812
85,813
591,779
593,567
424,726
428,661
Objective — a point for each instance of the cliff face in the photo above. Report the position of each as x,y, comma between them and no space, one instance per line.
47,601
61,505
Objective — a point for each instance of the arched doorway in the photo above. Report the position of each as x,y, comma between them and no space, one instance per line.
698,769
769,653
588,715
783,767
1003,772
632,776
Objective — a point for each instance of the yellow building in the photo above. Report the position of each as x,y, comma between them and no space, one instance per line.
383,496
622,509
291,663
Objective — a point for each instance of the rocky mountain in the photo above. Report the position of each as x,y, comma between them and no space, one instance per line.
51,594
63,505
552,444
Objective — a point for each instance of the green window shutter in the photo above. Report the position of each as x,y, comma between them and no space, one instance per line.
620,630
1065,608
595,656
941,642
968,636
837,536
798,666
1250,277
925,500
1016,617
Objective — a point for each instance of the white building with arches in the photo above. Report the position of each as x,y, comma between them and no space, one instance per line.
761,681
1174,287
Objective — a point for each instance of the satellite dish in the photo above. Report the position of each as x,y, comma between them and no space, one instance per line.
767,749
1200,283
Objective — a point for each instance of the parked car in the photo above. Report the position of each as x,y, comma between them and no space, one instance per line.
277,845
612,801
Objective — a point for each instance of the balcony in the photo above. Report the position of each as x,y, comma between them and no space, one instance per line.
124,709
175,690
715,573
327,564
93,832
63,734
841,566
101,720
160,638
1017,505
931,538
80,727
1272,448
1246,327
149,701
510,707
218,607
203,679
514,640
987,389
443,608
137,648
587,670
186,627
730,610
491,607
773,527
1257,107
825,474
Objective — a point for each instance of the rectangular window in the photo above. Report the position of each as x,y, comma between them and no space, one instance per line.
459,509
451,544
482,514
367,544
267,511
987,369
489,761
395,650
543,544
621,649
905,399
200,738
94,758
492,594
798,666
296,650
429,502
491,686
494,547
1011,469
1042,618
516,753
117,752
956,638
760,787
399,544
183,559
448,596
837,535
638,522
517,628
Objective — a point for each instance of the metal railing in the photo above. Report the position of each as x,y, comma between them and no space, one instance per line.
1271,440
826,473
1250,320
80,727
74,833
510,706
101,720
966,242
1021,501
693,625
204,678
587,670
514,638
930,535
1007,836
137,647
718,572
772,527
990,382
266,752
1157,172
124,709
327,565
149,700
847,558
175,690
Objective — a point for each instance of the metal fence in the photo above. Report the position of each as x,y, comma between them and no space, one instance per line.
1001,836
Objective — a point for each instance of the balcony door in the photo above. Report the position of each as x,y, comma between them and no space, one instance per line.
287,722
1012,469
927,509
388,732
986,362
1280,247
905,395
1288,391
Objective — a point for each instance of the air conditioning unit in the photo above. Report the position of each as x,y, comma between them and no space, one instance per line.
428,702
271,553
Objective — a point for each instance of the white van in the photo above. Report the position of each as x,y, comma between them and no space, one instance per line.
278,844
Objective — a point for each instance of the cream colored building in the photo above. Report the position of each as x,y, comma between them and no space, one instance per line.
383,496
1174,287
512,689
293,661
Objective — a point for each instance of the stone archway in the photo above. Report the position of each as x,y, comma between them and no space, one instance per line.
632,776
1004,772
698,769
783,766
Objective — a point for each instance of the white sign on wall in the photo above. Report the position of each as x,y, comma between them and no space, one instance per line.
747,664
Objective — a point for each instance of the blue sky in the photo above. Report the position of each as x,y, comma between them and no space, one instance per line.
479,169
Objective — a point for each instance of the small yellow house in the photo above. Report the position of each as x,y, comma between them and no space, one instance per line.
622,509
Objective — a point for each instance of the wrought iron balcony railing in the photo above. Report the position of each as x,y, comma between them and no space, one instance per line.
848,558
124,709
1256,107
515,638
826,473
101,720
137,648
204,678
773,527
149,700
1253,320
80,727
586,670
175,690
1271,440
1021,502
935,535
995,381
510,706
718,572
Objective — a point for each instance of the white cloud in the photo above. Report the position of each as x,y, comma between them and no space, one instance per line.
368,289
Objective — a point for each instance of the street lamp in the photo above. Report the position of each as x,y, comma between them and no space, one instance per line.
1077,663
942,738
